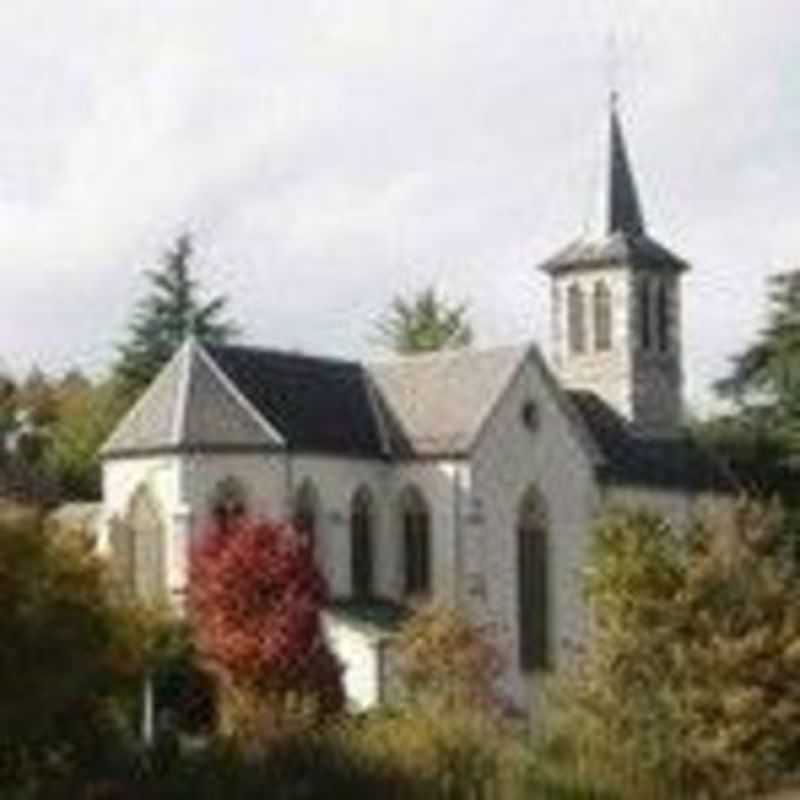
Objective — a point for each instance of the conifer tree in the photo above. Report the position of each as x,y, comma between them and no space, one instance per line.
164,318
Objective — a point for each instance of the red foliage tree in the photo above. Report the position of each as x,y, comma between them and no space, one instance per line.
255,596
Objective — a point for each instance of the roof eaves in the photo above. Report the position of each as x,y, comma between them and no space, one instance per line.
189,449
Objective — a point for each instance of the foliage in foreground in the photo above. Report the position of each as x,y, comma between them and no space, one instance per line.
255,600
69,656
690,686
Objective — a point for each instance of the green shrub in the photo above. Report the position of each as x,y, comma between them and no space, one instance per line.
689,686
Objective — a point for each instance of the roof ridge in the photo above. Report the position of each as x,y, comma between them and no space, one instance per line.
288,354
448,354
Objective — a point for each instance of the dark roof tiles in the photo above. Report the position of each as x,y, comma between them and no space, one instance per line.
632,459
316,404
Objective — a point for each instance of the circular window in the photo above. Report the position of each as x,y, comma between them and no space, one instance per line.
530,415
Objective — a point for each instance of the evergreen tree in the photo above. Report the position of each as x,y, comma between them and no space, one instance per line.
165,317
765,378
425,323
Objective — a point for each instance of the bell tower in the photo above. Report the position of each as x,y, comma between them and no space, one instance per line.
616,307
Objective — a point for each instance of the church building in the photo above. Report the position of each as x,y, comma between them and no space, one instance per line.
471,477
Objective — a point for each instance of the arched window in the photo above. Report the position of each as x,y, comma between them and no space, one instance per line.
228,503
533,615
306,511
662,317
645,317
362,518
602,316
576,319
415,523
147,553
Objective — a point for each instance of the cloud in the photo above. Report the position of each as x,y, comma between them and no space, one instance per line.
332,154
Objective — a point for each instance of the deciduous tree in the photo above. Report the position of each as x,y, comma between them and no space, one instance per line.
255,600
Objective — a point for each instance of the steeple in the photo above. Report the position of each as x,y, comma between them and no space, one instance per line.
624,211
616,307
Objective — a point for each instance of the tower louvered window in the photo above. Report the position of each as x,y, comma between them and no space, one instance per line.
645,316
576,319
662,317
602,316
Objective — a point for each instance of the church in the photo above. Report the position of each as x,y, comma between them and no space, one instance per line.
470,477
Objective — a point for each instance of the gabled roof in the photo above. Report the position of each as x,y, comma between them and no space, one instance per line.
631,459
247,398
440,401
191,406
243,398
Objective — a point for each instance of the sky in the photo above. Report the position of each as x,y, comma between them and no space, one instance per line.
330,155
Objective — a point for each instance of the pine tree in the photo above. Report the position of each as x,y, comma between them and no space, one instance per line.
425,323
164,318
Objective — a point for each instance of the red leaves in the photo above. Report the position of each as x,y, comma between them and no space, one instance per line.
255,597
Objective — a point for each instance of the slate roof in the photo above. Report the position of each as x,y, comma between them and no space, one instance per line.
632,459
317,404
440,401
234,398
189,407
625,239
624,209
618,247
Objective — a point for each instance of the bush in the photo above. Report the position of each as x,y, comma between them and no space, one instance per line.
689,685
70,658
255,599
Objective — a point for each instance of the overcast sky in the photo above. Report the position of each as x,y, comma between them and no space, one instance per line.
328,155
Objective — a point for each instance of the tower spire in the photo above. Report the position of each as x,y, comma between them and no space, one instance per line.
624,210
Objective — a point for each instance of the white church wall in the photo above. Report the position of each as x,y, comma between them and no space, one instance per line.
438,482
122,477
607,372
336,481
262,477
510,458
